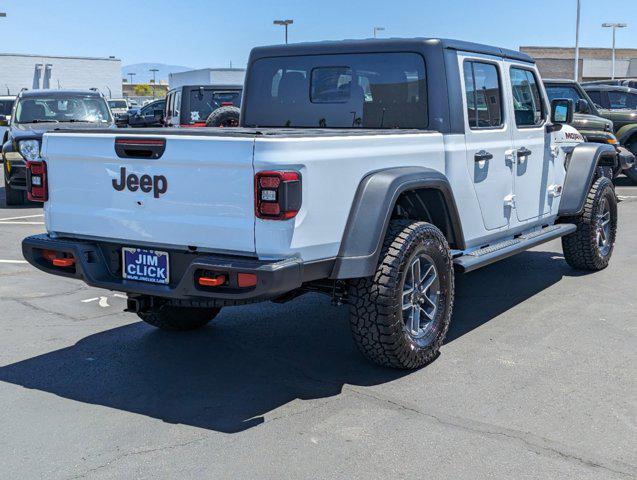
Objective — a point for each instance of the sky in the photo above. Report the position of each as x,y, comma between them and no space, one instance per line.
210,33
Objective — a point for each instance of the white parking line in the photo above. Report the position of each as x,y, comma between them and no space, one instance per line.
14,261
20,218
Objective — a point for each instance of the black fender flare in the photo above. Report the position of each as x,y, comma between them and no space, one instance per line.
371,211
579,175
626,132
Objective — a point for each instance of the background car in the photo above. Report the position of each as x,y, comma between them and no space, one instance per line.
118,106
191,105
151,115
39,111
6,107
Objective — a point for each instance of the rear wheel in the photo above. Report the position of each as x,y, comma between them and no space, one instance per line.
169,317
591,246
11,195
400,316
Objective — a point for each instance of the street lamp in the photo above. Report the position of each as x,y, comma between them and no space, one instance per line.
284,23
154,71
614,26
131,75
378,29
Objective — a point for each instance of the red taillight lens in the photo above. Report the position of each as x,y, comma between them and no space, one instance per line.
277,195
37,185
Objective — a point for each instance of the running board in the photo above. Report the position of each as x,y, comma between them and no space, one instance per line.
492,253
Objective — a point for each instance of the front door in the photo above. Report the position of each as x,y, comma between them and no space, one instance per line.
533,160
488,138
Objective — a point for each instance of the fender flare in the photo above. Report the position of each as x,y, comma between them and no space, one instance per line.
626,132
371,211
579,176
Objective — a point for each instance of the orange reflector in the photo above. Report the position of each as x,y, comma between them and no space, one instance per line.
63,262
212,281
246,280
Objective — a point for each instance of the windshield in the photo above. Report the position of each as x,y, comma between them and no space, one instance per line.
364,90
89,108
6,106
118,104
204,101
554,92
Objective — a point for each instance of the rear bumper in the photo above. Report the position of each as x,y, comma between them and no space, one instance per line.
17,174
99,265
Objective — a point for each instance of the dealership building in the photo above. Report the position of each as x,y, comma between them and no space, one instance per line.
18,71
594,63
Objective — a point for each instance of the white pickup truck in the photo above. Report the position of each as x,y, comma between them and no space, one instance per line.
367,170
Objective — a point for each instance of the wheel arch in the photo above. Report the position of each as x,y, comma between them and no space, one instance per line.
627,133
580,174
417,193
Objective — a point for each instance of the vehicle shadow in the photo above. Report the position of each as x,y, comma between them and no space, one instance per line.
253,359
624,182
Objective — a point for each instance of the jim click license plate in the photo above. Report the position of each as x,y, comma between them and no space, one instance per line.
145,265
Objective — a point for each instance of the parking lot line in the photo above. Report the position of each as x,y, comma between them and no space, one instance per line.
13,261
20,218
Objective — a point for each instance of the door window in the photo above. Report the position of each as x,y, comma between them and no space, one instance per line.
622,101
527,101
483,93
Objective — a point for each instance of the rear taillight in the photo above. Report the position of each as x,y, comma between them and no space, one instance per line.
37,184
277,195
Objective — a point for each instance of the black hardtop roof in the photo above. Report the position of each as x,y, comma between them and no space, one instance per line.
58,93
211,87
609,88
385,44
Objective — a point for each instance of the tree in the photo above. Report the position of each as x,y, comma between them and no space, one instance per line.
143,90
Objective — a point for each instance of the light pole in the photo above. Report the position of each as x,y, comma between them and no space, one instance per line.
154,70
284,23
614,26
577,43
131,75
378,29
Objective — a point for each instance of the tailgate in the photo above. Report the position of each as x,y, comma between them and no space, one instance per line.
199,192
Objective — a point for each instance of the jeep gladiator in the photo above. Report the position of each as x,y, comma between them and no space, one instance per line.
367,170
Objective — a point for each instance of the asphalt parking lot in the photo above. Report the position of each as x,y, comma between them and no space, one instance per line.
537,380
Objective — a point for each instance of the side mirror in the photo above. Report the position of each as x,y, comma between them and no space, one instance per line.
4,121
583,106
561,111
122,120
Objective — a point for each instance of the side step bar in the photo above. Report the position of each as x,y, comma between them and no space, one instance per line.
488,255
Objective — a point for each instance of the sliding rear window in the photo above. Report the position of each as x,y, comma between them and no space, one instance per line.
338,91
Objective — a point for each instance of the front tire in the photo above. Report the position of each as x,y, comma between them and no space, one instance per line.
169,317
591,246
400,316
13,197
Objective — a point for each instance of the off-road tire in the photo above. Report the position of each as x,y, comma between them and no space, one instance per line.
581,249
224,117
168,317
376,317
12,196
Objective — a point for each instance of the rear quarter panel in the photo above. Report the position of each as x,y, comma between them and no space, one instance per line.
331,169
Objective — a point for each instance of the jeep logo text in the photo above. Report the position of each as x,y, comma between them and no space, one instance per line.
158,184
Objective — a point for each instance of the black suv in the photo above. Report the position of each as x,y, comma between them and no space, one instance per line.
191,105
36,112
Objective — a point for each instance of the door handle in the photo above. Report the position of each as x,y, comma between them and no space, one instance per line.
524,152
482,155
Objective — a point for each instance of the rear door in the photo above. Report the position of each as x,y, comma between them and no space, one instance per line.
199,192
533,160
488,137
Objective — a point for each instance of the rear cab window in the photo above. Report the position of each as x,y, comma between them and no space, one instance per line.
366,90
